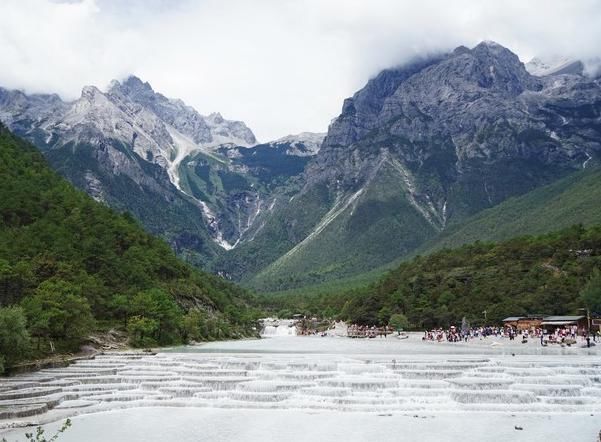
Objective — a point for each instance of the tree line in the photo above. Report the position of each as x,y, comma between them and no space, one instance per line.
552,274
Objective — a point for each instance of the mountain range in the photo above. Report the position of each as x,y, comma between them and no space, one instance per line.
421,151
190,178
423,148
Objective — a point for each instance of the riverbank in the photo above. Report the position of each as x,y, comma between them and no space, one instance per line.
54,361
96,344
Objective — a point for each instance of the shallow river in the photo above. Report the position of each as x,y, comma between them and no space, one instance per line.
312,388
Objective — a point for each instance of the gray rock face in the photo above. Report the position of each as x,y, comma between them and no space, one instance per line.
156,127
305,144
554,66
359,112
462,114
128,139
227,131
210,130
422,147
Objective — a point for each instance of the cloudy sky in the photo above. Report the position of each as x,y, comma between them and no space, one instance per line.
282,66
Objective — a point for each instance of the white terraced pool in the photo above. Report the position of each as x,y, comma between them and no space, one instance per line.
311,388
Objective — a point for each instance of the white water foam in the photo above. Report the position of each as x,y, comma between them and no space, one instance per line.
303,379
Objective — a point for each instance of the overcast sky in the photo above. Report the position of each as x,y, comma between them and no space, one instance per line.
282,66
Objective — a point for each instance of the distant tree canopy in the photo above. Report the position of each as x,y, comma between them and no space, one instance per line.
591,293
14,338
57,310
398,321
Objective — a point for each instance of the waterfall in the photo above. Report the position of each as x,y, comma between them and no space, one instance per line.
278,327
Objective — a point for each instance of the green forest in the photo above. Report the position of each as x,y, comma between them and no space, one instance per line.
556,273
70,266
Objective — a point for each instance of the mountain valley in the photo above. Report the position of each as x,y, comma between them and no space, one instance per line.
424,152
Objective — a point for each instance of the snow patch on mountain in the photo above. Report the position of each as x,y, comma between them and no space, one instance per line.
229,131
542,67
132,115
303,144
184,147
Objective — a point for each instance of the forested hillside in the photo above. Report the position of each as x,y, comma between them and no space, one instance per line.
525,275
575,199
564,203
69,264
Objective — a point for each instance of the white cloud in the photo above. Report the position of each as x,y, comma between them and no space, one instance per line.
282,66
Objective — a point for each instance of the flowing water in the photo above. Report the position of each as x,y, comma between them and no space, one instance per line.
312,388
279,327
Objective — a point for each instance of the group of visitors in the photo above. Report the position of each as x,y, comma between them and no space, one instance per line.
569,335
560,335
365,331
454,334
566,335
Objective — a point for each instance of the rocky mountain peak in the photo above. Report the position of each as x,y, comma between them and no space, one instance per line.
491,46
459,50
90,93
144,138
215,118
93,105
492,66
547,66
422,148
131,86
133,82
359,112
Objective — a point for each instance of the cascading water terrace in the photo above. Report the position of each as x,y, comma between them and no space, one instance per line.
343,383
278,327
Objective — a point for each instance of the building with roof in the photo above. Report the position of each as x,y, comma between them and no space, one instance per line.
551,323
523,322
511,321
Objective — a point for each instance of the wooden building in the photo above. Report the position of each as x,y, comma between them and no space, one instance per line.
529,322
551,323
511,321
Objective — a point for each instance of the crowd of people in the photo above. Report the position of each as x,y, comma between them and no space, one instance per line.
365,331
566,335
454,334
